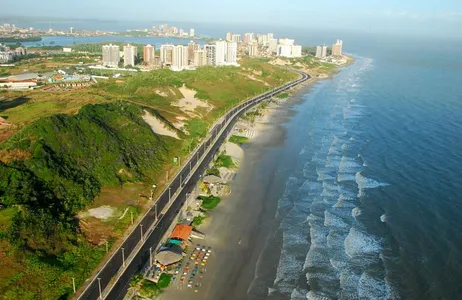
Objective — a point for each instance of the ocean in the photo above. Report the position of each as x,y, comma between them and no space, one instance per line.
372,209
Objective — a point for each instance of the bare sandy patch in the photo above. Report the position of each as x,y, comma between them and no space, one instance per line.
252,77
189,103
278,62
158,127
102,212
180,123
162,94
234,151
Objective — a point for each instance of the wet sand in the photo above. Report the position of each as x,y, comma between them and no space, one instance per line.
245,221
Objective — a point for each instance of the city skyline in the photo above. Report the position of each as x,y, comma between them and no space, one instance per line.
423,19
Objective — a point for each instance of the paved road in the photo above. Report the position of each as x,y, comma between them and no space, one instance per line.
183,183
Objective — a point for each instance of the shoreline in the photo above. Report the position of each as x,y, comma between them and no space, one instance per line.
239,230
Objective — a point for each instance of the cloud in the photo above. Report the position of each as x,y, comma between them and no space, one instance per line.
455,15
401,14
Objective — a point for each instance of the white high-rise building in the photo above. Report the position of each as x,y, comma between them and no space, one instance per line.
229,36
211,54
287,42
324,51
129,55
253,49
231,53
318,52
284,50
270,36
221,49
166,54
289,50
321,51
180,57
296,51
273,45
192,32
111,55
236,38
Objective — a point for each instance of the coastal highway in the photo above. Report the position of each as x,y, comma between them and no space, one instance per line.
181,185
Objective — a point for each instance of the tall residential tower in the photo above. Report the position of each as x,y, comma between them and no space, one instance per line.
129,55
111,55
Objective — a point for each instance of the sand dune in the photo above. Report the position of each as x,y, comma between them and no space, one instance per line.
159,127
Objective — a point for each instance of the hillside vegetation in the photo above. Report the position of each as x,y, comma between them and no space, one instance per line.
57,165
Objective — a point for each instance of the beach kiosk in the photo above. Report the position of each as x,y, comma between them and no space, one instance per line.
168,256
180,234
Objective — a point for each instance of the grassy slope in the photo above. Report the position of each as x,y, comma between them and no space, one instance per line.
70,156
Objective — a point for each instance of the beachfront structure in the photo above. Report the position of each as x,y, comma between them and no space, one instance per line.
236,38
192,32
148,54
211,54
169,255
129,55
180,57
337,48
111,55
253,49
229,36
270,36
180,233
172,253
166,54
231,54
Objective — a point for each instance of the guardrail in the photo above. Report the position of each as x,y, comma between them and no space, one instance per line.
178,188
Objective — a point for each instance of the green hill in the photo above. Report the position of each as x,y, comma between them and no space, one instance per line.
71,157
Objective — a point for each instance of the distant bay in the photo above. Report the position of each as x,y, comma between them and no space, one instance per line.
70,40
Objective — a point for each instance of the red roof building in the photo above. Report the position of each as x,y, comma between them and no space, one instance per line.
181,232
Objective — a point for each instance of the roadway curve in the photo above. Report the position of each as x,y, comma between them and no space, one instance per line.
153,238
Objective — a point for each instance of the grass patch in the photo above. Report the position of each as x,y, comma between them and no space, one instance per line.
149,289
209,202
125,222
283,95
198,220
213,171
225,161
164,280
236,139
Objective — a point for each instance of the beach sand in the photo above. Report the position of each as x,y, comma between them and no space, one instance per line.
240,227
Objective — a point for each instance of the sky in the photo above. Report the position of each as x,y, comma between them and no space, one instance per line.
421,17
